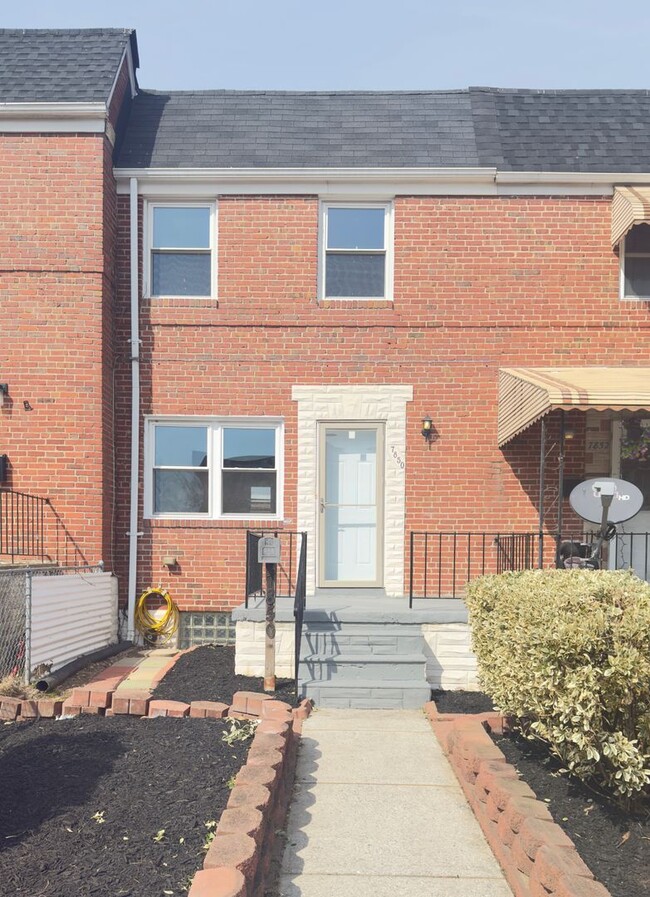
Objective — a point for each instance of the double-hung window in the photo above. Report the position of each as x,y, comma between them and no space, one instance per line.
635,263
231,467
356,251
180,254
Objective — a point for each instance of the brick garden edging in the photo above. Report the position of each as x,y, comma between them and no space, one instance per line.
537,856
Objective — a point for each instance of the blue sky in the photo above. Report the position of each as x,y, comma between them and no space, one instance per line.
367,44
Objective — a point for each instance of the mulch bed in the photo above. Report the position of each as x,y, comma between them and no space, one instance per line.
208,674
140,776
462,701
613,843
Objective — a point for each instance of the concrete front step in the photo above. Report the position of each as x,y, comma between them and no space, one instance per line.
365,664
372,667
366,694
361,638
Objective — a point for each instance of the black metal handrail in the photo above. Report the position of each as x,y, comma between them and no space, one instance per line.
22,524
299,606
442,563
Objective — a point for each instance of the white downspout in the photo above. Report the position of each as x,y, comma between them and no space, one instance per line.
135,410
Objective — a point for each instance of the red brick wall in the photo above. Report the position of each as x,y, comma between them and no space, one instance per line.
480,283
56,295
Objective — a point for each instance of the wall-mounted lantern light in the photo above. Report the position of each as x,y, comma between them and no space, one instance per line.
4,393
427,429
569,433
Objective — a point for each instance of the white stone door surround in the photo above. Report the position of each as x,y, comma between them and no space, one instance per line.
355,403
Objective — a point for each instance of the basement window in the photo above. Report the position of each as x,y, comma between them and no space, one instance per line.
180,256
226,468
635,263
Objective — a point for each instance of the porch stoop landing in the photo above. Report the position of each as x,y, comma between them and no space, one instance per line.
361,649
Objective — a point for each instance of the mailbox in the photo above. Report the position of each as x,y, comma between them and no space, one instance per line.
268,550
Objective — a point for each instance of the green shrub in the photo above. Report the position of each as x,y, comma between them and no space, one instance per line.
569,653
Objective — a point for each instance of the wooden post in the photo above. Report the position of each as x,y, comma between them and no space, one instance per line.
269,640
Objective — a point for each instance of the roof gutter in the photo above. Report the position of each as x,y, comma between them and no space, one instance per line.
373,182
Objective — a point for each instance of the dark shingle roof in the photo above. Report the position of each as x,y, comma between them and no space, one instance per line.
564,130
513,130
225,129
51,66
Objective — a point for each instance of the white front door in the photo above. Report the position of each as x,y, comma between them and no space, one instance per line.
350,504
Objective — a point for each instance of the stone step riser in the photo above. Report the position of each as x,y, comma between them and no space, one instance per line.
342,639
363,697
349,644
350,672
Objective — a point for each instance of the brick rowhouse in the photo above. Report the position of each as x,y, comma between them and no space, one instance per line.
480,283
486,275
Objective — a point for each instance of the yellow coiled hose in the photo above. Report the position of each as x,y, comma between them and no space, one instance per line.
156,627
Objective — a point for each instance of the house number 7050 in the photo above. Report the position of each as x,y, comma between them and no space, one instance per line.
397,457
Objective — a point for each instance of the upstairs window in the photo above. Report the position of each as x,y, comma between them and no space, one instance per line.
635,263
180,257
355,251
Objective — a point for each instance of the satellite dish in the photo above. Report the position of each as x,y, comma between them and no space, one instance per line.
587,499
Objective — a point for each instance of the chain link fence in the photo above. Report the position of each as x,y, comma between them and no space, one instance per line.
15,616
13,619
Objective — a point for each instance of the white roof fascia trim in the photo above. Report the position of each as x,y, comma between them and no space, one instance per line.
483,175
339,182
50,118
52,110
555,189
609,178
52,126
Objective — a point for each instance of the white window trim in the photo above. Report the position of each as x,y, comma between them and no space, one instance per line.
621,274
325,205
215,427
149,207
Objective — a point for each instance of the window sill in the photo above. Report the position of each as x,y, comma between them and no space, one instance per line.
215,523
180,301
355,303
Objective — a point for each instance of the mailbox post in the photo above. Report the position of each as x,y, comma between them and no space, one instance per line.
268,554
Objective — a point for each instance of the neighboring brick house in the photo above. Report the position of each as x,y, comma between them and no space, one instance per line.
64,98
317,277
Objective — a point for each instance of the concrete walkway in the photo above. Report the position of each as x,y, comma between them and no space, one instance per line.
378,812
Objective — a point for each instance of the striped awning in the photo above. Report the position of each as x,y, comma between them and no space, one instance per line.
630,206
527,394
